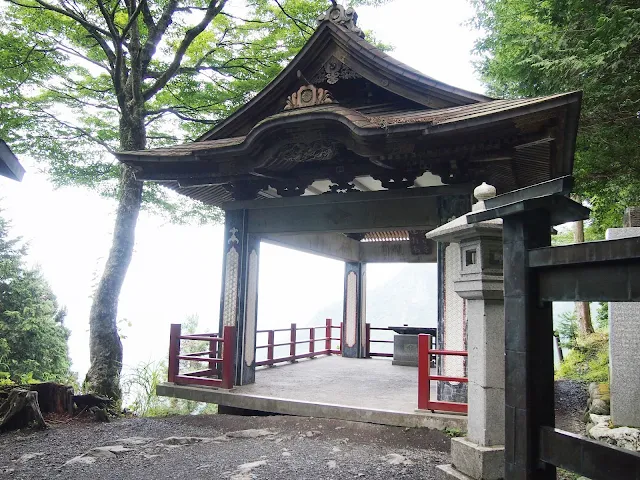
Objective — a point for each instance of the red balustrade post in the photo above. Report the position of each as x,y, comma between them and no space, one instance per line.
368,340
174,351
312,340
341,338
292,345
424,371
228,356
270,341
327,335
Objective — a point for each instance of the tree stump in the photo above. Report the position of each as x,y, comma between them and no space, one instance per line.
91,400
20,410
54,397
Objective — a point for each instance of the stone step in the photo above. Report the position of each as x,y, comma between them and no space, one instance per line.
448,472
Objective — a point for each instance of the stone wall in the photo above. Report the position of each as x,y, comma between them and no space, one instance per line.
454,331
624,341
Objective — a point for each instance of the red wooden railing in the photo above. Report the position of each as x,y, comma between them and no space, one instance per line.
425,378
327,338
219,360
370,340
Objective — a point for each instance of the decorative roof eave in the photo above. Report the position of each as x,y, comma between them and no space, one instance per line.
351,126
427,123
399,78
9,164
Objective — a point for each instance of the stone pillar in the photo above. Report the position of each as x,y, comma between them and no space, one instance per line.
452,327
624,342
354,318
239,295
480,455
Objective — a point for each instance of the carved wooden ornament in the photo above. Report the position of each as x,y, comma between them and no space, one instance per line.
308,96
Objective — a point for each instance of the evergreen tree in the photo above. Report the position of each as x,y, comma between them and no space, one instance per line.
33,338
533,47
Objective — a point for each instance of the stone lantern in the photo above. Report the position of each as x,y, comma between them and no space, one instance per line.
480,455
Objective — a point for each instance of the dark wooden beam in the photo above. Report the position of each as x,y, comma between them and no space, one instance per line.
561,210
557,186
592,271
623,249
603,282
417,213
587,457
529,365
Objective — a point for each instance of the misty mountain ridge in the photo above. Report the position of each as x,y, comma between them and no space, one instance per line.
409,297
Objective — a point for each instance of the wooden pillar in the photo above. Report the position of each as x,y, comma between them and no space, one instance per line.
529,392
239,296
354,314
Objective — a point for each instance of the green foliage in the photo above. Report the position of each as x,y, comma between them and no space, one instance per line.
140,387
602,316
588,361
141,383
67,74
453,432
533,47
565,237
33,338
5,380
567,329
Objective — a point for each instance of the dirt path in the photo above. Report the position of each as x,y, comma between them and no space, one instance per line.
571,402
266,448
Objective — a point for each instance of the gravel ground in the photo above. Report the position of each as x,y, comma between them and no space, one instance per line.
571,403
284,448
278,447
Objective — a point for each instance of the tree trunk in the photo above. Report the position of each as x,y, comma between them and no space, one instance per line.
103,377
556,338
54,397
583,312
20,410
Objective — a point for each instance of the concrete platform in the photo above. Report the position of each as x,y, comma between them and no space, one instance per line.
363,390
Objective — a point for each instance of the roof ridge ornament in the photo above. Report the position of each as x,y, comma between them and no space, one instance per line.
346,18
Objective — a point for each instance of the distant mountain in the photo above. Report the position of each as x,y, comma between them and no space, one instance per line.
410,297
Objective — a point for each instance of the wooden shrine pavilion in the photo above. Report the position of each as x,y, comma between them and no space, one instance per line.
352,154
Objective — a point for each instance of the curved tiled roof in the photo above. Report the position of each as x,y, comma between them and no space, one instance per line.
356,120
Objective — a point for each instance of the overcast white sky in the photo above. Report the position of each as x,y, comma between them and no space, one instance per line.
176,270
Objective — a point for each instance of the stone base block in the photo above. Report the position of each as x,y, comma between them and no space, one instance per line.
447,472
405,350
404,364
476,461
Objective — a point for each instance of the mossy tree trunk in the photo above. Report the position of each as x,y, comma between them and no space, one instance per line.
103,377
583,312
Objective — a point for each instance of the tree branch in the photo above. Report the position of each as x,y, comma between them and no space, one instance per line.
180,115
95,31
156,33
80,130
22,63
133,18
83,102
214,8
67,13
295,21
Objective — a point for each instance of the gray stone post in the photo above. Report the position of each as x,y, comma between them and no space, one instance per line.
354,315
624,342
480,455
